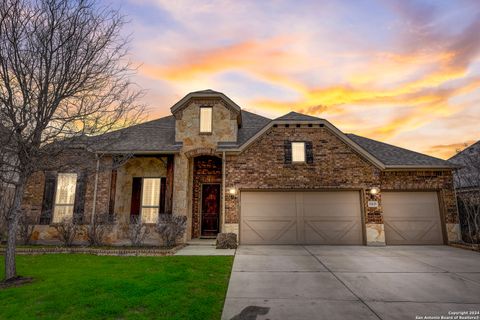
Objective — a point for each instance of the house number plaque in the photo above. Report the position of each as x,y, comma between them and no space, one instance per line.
372,204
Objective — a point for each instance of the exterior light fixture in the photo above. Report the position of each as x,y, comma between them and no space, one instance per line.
232,191
374,190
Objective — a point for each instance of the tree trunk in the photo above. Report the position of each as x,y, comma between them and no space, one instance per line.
12,224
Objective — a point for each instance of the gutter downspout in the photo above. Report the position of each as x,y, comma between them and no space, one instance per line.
94,206
224,161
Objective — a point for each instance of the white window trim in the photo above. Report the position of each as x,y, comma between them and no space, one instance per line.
142,206
211,120
304,151
64,205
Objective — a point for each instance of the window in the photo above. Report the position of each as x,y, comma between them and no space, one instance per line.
298,151
205,119
150,200
64,196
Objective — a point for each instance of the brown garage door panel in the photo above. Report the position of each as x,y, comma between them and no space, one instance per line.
332,218
266,223
333,231
301,217
412,218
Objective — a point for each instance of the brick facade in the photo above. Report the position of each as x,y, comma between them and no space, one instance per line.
336,166
261,166
425,180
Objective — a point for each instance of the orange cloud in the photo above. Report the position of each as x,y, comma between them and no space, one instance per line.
446,151
240,56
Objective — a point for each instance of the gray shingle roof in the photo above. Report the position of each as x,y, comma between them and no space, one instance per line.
396,156
155,135
252,123
206,91
159,136
295,116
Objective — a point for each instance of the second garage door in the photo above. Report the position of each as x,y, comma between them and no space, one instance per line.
301,218
411,218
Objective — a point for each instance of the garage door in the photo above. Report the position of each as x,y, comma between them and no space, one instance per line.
301,218
411,218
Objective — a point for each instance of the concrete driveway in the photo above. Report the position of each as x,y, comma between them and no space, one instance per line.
352,282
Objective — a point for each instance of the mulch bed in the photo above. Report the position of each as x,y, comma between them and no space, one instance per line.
111,251
15,282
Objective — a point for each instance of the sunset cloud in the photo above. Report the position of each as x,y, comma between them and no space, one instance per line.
413,66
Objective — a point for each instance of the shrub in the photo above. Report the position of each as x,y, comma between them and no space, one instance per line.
67,230
170,228
96,231
135,231
26,225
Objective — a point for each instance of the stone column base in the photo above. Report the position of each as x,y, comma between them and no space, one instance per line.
375,234
453,232
230,228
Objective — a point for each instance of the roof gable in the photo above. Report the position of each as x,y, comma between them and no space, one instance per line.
295,116
207,95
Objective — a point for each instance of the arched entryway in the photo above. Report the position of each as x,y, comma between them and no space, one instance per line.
206,196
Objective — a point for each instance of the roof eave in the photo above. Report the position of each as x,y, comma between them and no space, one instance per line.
418,167
137,152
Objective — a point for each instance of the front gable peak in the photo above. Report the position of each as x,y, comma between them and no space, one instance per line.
207,97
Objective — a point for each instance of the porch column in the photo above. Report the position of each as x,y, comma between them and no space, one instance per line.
169,184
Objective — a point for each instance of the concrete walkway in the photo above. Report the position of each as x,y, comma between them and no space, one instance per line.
351,282
203,247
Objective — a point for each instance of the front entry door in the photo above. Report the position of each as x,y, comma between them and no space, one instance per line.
210,209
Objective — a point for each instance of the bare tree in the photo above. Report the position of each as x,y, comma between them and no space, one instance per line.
64,78
467,183
6,193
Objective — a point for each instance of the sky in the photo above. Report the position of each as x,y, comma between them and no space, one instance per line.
402,72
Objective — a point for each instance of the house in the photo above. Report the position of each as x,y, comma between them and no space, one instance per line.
468,175
467,185
296,179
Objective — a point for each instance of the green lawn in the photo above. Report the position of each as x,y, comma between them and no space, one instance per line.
76,286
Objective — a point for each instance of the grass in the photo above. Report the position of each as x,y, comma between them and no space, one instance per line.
77,286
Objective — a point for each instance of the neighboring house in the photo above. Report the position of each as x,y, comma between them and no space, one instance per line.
467,177
294,179
467,185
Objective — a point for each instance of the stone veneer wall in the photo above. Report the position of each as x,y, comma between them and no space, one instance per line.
206,169
187,126
152,167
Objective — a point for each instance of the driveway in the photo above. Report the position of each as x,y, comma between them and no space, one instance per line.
352,282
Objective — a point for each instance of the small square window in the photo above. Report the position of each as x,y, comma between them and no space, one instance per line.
205,119
298,151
